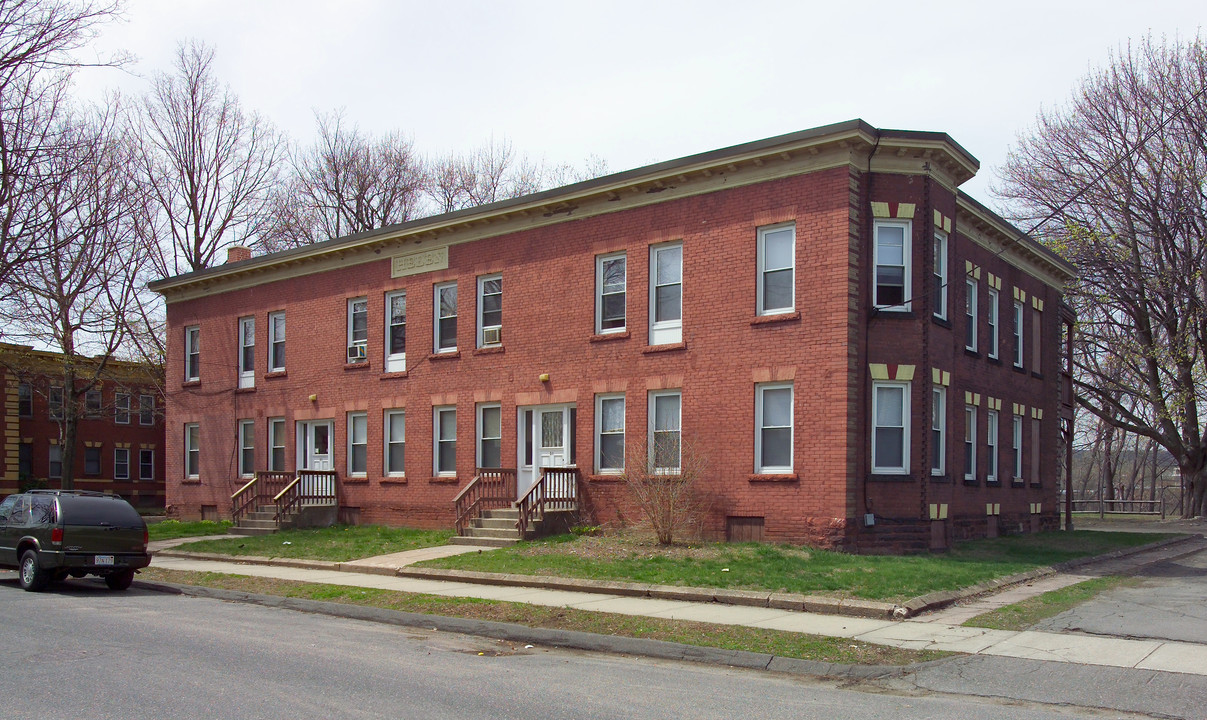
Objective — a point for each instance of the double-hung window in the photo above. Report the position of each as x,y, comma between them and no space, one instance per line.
121,408
1035,457
609,433
446,317
192,353
396,438
490,436
446,441
1018,334
54,401
666,294
970,442
276,444
146,464
146,409
610,288
92,404
940,272
777,269
56,461
992,323
276,341
773,408
890,428
358,444
92,461
25,400
938,430
121,463
192,450
665,433
970,315
247,448
490,311
991,433
1037,324
1016,446
358,330
892,260
247,352
396,331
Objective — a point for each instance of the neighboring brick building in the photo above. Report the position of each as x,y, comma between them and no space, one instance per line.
120,438
795,306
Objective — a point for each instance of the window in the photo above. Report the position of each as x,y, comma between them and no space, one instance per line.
609,433
490,436
666,294
25,460
54,399
121,408
92,461
970,300
121,464
56,461
890,431
1035,451
247,448
446,317
192,450
276,342
665,431
938,430
396,332
146,465
1016,445
146,409
991,445
396,436
1018,334
773,436
247,352
358,443
25,400
1037,322
940,270
358,330
276,444
192,353
892,288
92,405
610,284
991,316
446,441
777,270
969,442
490,311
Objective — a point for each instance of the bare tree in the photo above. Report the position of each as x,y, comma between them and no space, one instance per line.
664,479
1122,171
346,183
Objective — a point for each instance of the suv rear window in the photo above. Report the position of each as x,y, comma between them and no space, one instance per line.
43,510
81,510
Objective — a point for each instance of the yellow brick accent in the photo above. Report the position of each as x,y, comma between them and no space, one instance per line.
905,210
940,377
879,371
938,511
905,373
880,209
1020,409
1037,303
946,224
938,219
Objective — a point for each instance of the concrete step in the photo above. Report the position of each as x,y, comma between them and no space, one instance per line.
236,530
260,515
482,541
492,533
509,513
495,523
263,524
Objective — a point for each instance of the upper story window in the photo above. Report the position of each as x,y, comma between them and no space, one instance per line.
25,400
446,317
121,408
938,430
192,353
1018,334
396,331
991,433
1037,323
666,294
970,442
609,433
247,447
92,404
276,341
665,434
970,315
146,409
1016,446
892,261
890,427
490,311
54,402
247,352
991,315
358,330
773,435
940,271
610,288
490,436
192,450
777,269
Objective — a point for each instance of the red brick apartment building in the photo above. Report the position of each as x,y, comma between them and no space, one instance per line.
120,437
867,358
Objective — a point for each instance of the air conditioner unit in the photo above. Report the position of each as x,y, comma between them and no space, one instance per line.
492,335
356,353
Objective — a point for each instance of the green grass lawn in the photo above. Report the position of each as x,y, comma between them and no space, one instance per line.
169,529
339,543
752,566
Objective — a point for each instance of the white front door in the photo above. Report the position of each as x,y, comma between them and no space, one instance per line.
546,439
314,444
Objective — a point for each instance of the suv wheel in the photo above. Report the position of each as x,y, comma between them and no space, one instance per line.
33,577
119,580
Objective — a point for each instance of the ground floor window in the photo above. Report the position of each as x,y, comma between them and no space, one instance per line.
665,432
192,450
490,436
146,465
609,433
358,443
121,464
773,434
446,440
396,436
890,427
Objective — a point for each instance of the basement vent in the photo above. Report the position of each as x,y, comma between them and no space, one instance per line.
743,529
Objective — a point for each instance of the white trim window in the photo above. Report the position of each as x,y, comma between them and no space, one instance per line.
121,408
610,292
396,439
276,341
358,330
247,448
192,450
777,269
891,250
938,430
247,352
970,314
991,439
666,294
396,331
445,437
276,444
992,323
146,465
92,403
56,461
490,311
970,442
1018,334
121,463
490,435
445,295
890,428
192,353
1016,446
54,402
940,272
358,444
773,437
609,434
146,409
665,438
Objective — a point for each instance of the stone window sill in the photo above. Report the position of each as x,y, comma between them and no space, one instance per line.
357,365
664,348
776,318
606,337
774,478
191,383
276,374
605,478
445,355
394,480
394,375
489,350
444,479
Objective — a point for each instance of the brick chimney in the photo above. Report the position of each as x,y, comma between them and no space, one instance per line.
236,253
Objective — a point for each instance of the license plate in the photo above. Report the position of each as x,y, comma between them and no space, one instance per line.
103,560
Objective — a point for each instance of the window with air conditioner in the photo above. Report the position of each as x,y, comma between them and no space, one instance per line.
358,330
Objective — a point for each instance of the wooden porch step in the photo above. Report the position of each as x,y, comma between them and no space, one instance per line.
482,541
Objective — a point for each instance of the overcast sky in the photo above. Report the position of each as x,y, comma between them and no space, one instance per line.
642,82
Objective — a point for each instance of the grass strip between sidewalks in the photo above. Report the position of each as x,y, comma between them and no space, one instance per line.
730,637
171,529
1023,615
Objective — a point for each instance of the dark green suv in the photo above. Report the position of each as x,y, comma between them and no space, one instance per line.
47,535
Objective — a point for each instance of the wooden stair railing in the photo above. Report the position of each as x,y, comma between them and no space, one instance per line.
491,489
309,487
261,489
555,490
